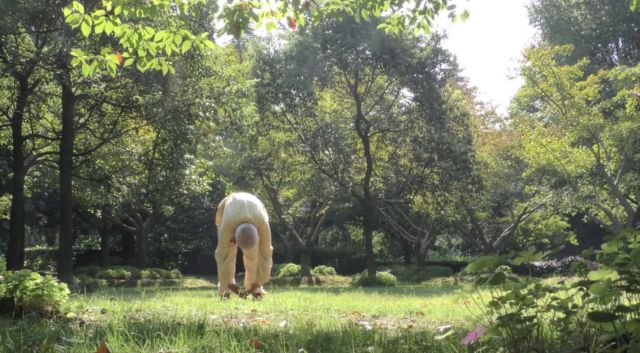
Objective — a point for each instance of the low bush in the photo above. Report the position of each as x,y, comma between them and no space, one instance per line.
88,283
41,259
27,291
382,279
114,273
412,273
128,272
289,270
596,313
567,266
324,270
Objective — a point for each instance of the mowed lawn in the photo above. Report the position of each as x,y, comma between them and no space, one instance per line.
192,318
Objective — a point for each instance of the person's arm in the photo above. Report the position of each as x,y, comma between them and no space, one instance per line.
265,255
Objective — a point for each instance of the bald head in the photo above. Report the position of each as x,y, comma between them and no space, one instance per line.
246,236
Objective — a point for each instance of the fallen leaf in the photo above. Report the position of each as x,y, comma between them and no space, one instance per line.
293,23
365,325
283,324
102,348
256,343
444,328
119,57
356,313
445,335
419,313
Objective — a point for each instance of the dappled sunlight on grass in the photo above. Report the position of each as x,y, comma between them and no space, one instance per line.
152,319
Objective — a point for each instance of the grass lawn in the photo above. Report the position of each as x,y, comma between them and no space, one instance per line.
191,318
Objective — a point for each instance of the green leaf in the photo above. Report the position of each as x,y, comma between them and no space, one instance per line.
484,263
85,28
74,20
108,27
99,28
86,69
365,14
76,52
603,274
78,7
621,308
186,45
498,278
128,62
602,317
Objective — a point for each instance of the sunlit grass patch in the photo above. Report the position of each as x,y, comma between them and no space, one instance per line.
193,319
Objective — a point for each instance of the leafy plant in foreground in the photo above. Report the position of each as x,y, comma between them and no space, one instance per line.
598,313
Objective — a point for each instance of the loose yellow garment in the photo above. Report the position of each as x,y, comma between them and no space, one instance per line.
233,210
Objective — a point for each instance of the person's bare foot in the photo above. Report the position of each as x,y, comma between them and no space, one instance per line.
257,296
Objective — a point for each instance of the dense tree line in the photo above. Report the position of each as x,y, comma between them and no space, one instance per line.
121,136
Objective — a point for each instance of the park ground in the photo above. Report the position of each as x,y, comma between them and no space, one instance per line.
191,318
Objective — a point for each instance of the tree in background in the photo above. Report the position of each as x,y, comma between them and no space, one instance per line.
580,135
606,32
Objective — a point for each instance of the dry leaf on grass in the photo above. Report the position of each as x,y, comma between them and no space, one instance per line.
103,348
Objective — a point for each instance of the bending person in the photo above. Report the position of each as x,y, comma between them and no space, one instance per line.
243,222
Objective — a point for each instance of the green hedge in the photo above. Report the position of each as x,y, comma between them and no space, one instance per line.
413,273
324,270
382,279
289,270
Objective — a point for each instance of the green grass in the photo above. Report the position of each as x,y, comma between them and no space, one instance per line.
191,318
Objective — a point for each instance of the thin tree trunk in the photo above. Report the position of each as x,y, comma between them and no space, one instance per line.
367,198
15,247
65,251
105,243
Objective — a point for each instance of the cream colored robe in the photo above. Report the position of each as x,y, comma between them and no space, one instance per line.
233,210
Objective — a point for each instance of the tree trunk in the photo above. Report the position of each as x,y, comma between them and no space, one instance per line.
15,247
128,247
65,252
105,243
421,253
141,249
305,261
407,251
289,249
367,230
362,129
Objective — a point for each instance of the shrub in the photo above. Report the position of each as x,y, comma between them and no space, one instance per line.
385,279
88,283
88,270
289,270
41,259
29,291
114,273
128,272
175,274
414,273
324,270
